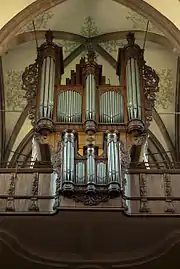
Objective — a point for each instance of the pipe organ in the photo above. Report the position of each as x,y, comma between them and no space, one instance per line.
90,125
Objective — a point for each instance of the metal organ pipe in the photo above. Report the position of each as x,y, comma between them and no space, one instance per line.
69,107
133,89
47,87
80,173
113,161
50,64
90,165
111,107
68,161
101,173
90,97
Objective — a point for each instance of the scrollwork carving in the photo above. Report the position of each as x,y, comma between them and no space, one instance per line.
150,81
140,140
34,199
30,84
56,160
11,192
91,199
143,193
169,207
125,157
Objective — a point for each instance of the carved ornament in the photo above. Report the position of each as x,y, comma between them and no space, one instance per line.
34,199
91,199
150,81
143,193
30,84
11,192
169,207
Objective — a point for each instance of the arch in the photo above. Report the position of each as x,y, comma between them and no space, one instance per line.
39,6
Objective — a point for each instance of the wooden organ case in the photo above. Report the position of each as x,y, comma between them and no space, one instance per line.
87,129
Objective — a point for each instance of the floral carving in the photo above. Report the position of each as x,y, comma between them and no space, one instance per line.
11,192
166,92
91,199
151,81
29,84
169,207
143,193
34,199
14,99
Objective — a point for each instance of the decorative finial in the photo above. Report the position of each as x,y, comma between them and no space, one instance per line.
49,36
130,39
91,55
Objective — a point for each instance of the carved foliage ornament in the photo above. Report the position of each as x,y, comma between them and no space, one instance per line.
150,81
30,84
91,199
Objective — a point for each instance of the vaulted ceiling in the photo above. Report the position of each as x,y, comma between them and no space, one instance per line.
106,22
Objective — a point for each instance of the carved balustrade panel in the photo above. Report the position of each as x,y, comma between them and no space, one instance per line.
27,191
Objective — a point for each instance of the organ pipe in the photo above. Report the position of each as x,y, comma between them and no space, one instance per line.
50,70
69,107
90,165
133,89
90,97
68,160
101,173
129,69
111,107
90,69
80,173
47,88
113,157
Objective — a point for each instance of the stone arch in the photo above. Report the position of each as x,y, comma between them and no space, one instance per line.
39,6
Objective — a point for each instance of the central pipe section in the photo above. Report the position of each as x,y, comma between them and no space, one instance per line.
90,85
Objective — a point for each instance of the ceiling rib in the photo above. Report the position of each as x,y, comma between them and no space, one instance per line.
164,156
177,109
121,35
105,55
2,114
62,35
20,148
165,133
74,54
15,133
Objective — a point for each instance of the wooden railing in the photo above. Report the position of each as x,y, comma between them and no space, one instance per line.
37,190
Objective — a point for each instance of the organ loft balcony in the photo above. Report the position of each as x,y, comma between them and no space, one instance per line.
90,139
